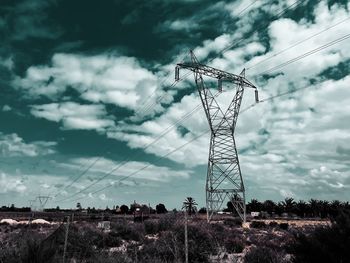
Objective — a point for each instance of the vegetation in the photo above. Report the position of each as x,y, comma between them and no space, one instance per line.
161,237
328,244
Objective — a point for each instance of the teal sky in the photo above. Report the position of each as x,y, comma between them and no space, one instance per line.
85,86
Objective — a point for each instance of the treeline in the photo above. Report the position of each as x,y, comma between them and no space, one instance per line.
123,209
288,207
291,207
12,208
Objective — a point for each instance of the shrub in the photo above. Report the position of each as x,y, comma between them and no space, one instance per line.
112,239
169,247
128,231
151,227
94,237
258,224
326,244
234,245
273,224
233,222
263,255
200,242
165,249
284,226
118,257
166,222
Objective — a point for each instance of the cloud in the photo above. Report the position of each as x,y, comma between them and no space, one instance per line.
280,141
75,116
102,78
31,20
12,145
7,63
10,184
6,108
178,25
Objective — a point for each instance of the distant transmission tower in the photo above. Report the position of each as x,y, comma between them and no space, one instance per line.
224,178
42,201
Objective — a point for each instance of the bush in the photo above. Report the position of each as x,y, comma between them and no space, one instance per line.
94,237
273,224
128,231
328,244
232,222
284,226
169,247
263,255
166,222
200,242
234,245
258,224
112,239
151,227
165,249
118,257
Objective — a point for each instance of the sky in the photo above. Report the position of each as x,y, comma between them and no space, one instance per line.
89,111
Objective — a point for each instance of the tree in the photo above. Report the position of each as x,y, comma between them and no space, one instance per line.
160,209
190,205
315,207
124,209
289,205
302,208
269,206
203,210
79,206
254,206
230,207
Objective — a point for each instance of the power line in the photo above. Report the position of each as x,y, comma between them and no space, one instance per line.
285,10
244,9
266,99
146,109
297,43
297,3
148,165
100,157
309,53
187,74
163,156
128,159
149,106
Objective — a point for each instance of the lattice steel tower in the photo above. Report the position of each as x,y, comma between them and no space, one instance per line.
224,178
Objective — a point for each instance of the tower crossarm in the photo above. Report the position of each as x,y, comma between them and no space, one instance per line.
215,73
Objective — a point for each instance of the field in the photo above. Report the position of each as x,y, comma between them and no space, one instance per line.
158,238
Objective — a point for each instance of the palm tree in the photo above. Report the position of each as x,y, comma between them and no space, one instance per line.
269,206
190,205
302,208
254,206
289,205
315,207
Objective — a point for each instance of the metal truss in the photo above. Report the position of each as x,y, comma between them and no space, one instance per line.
224,179
42,201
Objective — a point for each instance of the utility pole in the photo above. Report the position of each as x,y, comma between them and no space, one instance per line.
224,178
65,241
186,238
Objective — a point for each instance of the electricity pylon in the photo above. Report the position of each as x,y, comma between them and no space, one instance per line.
42,201
224,178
